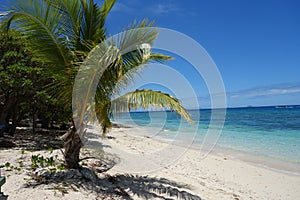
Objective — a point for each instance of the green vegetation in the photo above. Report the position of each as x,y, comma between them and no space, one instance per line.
52,162
8,166
18,80
62,33
23,80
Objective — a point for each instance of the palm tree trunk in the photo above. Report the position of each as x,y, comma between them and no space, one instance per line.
72,147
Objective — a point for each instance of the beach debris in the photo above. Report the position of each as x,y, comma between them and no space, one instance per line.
88,174
42,172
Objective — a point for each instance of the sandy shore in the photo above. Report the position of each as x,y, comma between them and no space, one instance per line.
183,170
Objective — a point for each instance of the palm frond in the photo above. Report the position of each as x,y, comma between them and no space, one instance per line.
135,47
40,21
134,36
104,11
70,22
146,99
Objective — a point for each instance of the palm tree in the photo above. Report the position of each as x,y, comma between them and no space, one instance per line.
66,35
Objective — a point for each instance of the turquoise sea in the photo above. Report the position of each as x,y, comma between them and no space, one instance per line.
270,132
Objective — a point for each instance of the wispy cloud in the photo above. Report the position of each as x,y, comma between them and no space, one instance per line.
119,7
286,93
164,9
279,89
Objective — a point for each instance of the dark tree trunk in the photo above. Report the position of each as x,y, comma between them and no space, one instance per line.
72,147
52,124
14,119
45,123
13,129
5,110
17,115
4,113
33,117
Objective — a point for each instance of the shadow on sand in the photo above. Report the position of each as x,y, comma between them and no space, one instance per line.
4,197
148,187
122,186
25,139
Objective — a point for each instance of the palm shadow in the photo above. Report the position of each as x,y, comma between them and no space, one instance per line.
146,187
125,186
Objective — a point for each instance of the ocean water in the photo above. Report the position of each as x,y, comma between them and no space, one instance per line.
263,131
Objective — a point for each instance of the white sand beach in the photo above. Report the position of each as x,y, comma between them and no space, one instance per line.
214,177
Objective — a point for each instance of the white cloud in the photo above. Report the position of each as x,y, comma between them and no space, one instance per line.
133,7
162,9
119,7
280,89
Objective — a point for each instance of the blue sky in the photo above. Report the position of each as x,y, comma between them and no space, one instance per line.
254,43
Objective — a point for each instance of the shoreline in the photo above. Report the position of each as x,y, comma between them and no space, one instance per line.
263,161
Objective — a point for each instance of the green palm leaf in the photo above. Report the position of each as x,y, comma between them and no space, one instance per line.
146,99
134,57
40,22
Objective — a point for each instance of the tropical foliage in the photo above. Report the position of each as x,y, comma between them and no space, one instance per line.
22,80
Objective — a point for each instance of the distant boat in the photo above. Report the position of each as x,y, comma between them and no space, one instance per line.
284,107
